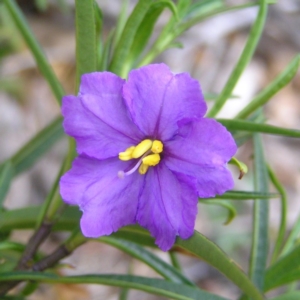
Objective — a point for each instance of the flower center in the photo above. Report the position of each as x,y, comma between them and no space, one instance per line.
147,151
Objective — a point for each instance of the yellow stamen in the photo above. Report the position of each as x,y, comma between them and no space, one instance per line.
146,154
141,148
151,160
143,169
157,146
127,154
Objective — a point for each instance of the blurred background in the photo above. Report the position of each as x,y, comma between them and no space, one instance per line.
210,51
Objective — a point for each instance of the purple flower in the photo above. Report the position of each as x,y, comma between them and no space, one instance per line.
146,153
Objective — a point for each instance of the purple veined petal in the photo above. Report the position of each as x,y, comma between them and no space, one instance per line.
167,205
99,83
201,150
107,202
157,99
98,119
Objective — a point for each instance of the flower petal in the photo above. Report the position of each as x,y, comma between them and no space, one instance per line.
107,201
157,99
167,205
201,149
98,118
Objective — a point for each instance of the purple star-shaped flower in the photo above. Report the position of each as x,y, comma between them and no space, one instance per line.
146,153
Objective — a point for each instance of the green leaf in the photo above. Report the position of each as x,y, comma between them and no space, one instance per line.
7,245
231,210
276,85
8,260
86,49
259,251
127,37
242,125
105,57
292,238
205,249
198,245
244,59
35,49
26,218
283,214
121,21
174,261
37,146
98,31
243,195
135,234
6,175
145,30
154,262
183,7
150,285
284,271
295,295
29,288
201,7
14,298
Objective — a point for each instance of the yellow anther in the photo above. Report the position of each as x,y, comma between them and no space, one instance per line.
143,169
127,154
141,148
157,146
151,160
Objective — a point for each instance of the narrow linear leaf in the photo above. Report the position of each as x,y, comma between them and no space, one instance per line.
51,200
292,238
124,294
98,33
35,49
105,57
86,49
291,277
138,252
149,285
283,214
198,245
26,218
276,85
248,126
205,249
6,175
231,210
29,288
7,245
121,21
37,146
284,271
145,30
214,7
202,7
127,37
174,261
135,234
295,295
259,251
243,195
244,59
